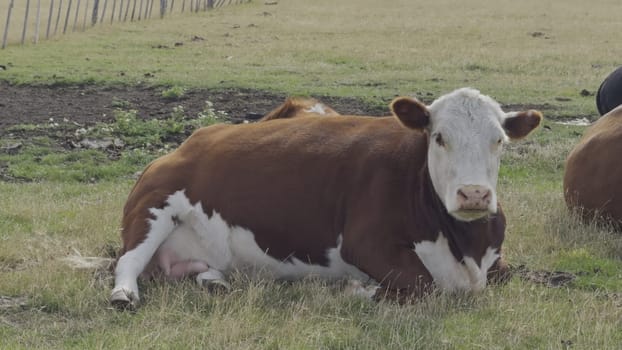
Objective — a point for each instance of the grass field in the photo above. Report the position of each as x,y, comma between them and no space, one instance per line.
518,52
533,53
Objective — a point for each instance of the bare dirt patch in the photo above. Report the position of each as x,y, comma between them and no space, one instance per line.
89,104
543,277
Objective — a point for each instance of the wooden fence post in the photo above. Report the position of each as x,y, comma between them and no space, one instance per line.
114,8
25,21
133,11
140,10
148,5
47,31
95,13
104,11
86,15
60,8
67,17
127,10
75,18
38,21
6,25
120,11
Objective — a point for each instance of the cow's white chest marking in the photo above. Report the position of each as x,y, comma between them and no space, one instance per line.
450,274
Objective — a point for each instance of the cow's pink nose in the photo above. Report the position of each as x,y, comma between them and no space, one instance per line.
473,197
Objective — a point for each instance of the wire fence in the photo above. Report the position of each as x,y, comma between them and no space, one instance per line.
42,19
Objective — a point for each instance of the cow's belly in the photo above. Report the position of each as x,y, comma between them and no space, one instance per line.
199,243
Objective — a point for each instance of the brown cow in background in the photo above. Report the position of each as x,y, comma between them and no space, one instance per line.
295,107
593,170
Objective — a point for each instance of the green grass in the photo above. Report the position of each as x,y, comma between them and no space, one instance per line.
262,314
67,308
375,52
593,272
40,163
133,143
174,93
66,201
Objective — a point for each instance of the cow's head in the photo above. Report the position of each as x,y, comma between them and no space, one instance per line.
466,133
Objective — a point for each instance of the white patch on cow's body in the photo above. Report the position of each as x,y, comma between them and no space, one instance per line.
211,247
450,274
317,108
133,262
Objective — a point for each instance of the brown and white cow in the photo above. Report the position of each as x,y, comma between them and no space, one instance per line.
593,170
408,201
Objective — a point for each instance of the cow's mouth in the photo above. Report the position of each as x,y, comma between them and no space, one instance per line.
469,214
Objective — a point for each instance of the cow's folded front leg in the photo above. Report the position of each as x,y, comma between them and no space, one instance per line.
401,276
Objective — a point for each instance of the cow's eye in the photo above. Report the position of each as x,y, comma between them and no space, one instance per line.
439,140
497,145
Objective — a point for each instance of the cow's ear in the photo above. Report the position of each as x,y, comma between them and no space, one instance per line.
410,112
519,124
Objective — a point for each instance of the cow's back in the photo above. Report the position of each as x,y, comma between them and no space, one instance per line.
593,169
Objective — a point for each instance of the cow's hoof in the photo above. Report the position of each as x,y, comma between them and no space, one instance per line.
123,299
217,286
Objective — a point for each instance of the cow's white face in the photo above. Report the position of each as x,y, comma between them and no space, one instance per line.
466,135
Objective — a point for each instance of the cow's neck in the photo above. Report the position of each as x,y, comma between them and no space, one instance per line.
464,238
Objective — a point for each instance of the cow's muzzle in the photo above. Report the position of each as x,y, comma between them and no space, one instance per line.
474,202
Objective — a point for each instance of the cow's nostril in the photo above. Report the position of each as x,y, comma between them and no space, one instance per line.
486,196
462,195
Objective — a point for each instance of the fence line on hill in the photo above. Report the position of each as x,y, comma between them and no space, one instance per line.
84,13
